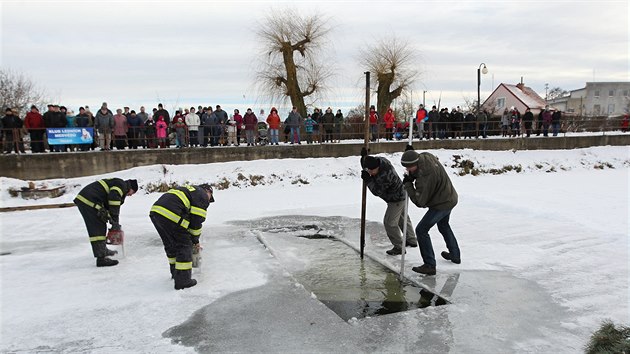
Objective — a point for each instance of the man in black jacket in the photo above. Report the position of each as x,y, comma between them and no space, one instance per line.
434,120
11,125
162,112
556,117
98,203
528,120
383,181
177,216
57,120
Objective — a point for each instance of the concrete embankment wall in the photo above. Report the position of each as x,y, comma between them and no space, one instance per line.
78,164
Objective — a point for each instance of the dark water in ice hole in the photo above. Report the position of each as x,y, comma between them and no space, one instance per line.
335,273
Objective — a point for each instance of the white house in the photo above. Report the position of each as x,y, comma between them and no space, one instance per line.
518,96
596,99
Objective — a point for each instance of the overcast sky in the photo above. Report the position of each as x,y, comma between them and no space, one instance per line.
190,53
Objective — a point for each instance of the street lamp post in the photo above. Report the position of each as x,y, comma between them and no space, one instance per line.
479,72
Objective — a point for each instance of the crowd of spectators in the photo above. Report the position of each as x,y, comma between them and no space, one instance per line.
209,127
189,127
128,129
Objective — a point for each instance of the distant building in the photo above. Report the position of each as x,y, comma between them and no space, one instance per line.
518,96
596,99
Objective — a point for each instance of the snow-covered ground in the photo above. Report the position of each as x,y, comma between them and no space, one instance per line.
555,220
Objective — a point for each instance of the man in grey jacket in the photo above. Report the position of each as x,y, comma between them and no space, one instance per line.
294,121
104,123
429,186
143,116
383,181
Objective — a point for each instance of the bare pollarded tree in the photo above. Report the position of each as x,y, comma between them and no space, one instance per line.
393,63
17,91
557,92
293,68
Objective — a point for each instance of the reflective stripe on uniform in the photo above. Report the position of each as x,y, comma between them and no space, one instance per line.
117,189
87,202
198,211
171,260
114,202
194,232
104,184
166,213
170,215
97,238
181,196
183,265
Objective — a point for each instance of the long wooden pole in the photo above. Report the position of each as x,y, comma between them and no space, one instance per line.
366,140
404,235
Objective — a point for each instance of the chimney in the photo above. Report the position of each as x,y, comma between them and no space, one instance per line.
520,86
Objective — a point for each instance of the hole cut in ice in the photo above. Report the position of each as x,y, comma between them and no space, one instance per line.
335,273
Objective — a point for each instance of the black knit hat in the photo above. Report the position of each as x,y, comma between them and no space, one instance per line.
409,158
132,184
371,162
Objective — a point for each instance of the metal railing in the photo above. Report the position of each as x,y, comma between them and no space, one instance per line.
21,140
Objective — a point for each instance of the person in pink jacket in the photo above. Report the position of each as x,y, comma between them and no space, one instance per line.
161,129
120,130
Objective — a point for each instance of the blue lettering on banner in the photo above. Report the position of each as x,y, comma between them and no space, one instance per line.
64,136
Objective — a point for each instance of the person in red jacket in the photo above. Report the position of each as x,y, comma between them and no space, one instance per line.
389,120
273,120
373,123
421,117
624,123
238,119
34,122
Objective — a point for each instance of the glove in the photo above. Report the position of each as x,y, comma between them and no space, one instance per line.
364,152
409,178
408,147
115,226
103,214
365,175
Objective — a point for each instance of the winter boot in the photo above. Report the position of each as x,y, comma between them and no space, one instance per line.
105,262
182,279
448,257
394,251
424,269
109,253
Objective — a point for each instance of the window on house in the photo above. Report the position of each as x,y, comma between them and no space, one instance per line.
596,93
597,109
501,102
611,93
625,93
611,108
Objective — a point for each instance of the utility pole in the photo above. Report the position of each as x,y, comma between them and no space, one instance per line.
365,146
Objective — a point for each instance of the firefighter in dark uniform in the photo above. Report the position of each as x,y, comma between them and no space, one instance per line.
99,202
177,216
